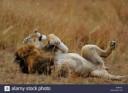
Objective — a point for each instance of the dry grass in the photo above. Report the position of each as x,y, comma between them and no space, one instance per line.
76,22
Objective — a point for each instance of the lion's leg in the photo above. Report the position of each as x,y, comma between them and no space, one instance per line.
96,59
102,53
103,73
105,53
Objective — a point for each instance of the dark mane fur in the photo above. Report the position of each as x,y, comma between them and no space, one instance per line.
42,62
21,63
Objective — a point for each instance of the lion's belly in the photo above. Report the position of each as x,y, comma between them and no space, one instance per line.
60,59
82,65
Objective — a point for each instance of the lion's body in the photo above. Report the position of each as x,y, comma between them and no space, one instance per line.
65,63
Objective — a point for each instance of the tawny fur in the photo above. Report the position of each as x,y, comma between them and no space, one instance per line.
95,54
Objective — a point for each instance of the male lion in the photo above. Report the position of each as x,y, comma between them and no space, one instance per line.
67,63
